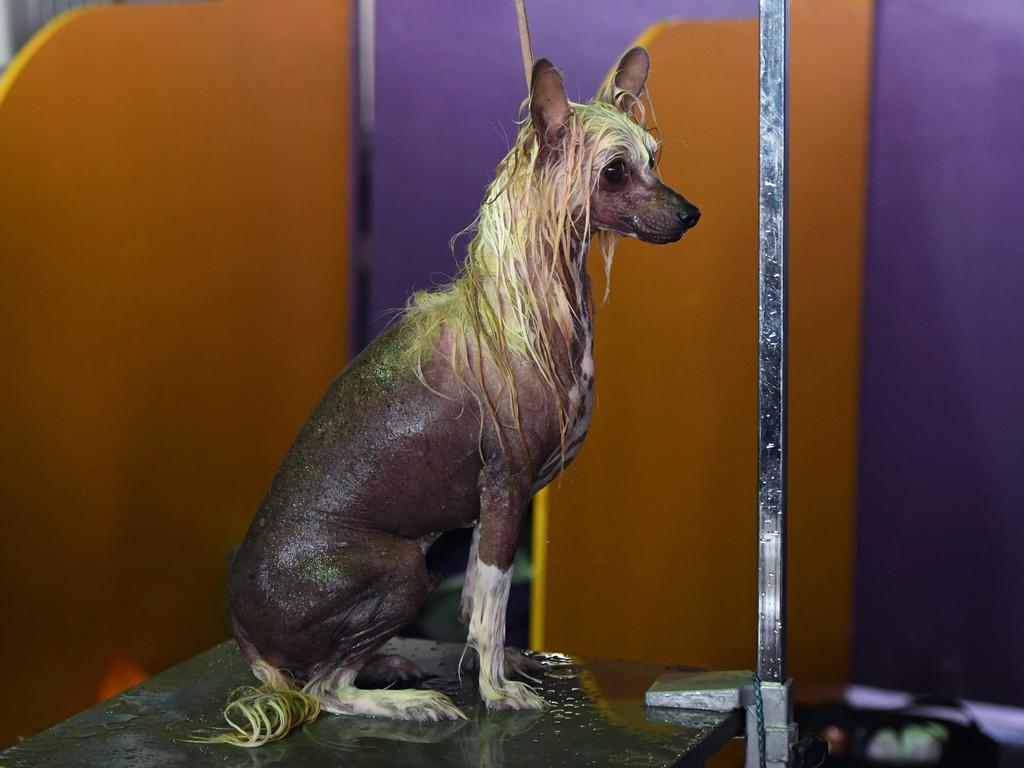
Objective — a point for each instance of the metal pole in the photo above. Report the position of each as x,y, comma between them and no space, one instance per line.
772,716
767,696
772,341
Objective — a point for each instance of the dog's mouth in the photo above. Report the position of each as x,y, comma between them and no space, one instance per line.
658,225
651,236
665,239
668,228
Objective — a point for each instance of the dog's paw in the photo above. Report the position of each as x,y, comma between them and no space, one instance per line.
386,670
429,706
517,664
513,695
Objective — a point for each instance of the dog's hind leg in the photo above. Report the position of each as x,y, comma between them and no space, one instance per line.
385,670
337,693
348,592
387,583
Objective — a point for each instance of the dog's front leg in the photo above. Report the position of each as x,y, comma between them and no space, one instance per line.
466,601
503,502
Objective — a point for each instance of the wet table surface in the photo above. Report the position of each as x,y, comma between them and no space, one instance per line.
595,717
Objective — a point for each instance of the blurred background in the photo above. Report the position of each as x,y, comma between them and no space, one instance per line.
207,208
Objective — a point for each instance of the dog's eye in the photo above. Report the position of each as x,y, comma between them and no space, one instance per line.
651,161
614,172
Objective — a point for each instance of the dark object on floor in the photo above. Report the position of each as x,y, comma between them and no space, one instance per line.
810,752
937,733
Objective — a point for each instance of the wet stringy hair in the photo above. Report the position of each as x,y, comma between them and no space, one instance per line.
521,290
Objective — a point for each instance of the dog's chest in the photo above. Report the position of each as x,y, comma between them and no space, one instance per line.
580,403
581,397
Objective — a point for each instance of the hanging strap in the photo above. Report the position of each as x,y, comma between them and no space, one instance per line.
524,41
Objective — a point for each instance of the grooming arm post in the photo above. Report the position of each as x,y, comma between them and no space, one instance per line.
771,380
733,690
773,268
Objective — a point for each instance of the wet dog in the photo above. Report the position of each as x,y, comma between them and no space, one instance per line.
475,399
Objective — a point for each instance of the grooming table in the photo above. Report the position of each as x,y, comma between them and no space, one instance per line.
595,717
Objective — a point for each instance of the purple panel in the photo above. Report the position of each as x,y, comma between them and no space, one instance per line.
940,568
449,82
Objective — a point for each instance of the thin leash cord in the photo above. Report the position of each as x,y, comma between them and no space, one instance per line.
759,712
524,41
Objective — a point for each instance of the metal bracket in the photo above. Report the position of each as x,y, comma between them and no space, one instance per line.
729,690
717,691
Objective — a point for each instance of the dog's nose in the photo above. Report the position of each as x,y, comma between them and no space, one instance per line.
689,216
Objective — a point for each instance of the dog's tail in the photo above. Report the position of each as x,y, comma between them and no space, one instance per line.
260,714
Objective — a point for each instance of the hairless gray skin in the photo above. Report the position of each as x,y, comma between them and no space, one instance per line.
333,563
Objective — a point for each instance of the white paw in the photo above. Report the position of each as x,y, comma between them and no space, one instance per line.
427,706
422,706
515,696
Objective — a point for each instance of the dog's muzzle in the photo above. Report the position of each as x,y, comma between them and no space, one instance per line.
688,216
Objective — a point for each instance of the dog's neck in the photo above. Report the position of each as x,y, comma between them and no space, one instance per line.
569,299
522,299
570,290
580,296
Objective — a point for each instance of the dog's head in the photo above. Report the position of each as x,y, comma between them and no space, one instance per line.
605,156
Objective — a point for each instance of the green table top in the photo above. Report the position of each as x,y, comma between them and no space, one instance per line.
595,717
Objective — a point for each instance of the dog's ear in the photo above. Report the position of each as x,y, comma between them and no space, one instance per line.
628,78
549,107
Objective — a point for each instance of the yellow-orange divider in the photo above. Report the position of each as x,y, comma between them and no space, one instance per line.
173,238
653,532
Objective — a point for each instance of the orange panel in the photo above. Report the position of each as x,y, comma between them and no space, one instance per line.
652,533
173,235
831,81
